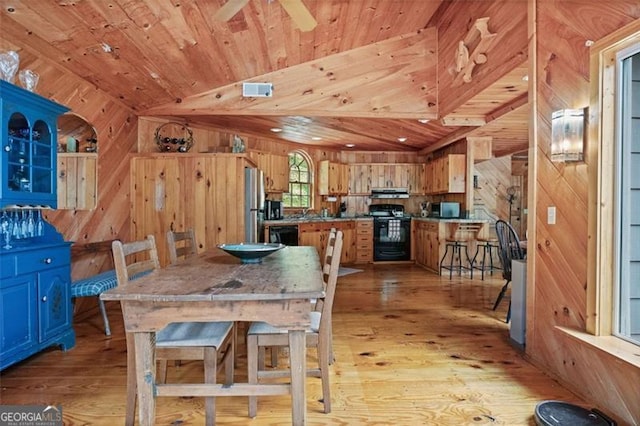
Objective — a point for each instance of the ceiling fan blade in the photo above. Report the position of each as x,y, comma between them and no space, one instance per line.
299,14
229,9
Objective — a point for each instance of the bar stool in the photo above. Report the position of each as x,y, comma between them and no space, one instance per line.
456,245
486,245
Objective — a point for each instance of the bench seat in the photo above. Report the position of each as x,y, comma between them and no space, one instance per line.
94,286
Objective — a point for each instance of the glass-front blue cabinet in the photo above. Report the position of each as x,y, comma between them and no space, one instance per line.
35,261
29,148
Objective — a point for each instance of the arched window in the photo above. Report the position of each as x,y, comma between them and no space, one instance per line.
300,181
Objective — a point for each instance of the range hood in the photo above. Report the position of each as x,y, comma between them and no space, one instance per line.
389,193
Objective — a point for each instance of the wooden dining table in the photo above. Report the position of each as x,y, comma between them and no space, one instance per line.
214,286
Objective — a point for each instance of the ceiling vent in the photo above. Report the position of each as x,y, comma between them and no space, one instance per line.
257,90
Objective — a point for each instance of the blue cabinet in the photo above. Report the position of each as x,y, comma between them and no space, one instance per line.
28,132
35,261
35,299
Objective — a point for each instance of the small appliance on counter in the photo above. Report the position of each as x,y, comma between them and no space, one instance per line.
273,210
343,209
445,210
425,208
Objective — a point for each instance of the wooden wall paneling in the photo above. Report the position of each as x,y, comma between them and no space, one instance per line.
62,182
494,177
197,204
560,254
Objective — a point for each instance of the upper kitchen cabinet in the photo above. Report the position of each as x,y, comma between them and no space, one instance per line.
333,178
29,147
366,176
77,171
446,175
275,168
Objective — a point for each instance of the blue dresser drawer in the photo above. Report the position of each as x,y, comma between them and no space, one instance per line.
39,260
8,264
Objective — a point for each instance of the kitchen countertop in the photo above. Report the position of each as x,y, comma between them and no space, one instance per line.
451,220
297,220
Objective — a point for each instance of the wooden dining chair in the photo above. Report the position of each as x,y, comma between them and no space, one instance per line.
263,335
182,244
317,303
179,340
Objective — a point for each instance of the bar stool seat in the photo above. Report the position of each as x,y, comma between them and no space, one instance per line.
456,245
487,245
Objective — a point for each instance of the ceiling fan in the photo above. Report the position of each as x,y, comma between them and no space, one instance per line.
295,8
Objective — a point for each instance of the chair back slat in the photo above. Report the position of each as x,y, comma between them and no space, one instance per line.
134,258
182,244
330,284
509,247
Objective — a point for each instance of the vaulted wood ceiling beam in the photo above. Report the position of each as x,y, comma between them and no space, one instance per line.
462,133
395,78
506,108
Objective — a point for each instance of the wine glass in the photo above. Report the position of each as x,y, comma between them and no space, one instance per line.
28,79
6,226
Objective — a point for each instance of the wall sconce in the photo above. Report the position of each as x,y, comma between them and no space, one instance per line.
567,135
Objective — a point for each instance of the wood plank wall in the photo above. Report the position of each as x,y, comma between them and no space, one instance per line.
560,255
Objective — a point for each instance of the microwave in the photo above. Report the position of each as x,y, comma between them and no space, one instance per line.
445,210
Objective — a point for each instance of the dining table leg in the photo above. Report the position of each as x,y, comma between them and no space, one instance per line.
297,360
146,376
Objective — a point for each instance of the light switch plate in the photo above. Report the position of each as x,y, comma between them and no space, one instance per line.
551,215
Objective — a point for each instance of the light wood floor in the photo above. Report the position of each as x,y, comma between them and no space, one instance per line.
411,349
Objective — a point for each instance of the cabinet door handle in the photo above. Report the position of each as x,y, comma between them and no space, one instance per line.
44,298
48,260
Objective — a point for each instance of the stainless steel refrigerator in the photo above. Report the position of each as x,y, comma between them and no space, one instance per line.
254,203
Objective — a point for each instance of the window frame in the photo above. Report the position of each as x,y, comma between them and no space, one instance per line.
307,159
602,282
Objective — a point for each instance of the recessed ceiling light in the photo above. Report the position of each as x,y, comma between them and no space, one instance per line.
423,120
316,138
402,139
350,145
276,129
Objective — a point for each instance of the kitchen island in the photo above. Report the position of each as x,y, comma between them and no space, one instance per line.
430,238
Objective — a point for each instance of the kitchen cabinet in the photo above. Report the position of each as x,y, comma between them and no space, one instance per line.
415,178
333,178
179,191
35,298
316,234
28,135
275,168
359,179
428,250
446,175
77,180
362,177
364,241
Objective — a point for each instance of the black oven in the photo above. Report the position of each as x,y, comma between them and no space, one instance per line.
391,233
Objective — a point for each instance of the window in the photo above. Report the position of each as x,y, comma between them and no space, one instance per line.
300,187
613,283
627,284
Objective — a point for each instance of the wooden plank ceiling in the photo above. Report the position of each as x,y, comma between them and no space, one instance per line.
365,75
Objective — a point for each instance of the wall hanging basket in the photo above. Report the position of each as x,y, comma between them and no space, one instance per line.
174,137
